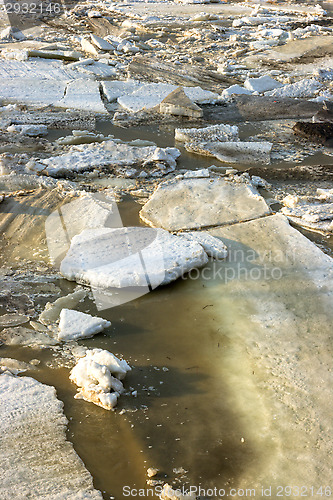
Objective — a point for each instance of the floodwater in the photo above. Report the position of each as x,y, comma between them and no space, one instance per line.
199,405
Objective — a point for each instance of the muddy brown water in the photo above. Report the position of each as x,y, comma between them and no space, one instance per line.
183,415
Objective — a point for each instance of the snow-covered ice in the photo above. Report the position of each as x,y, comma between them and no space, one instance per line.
37,461
195,203
130,257
108,155
221,132
75,325
93,374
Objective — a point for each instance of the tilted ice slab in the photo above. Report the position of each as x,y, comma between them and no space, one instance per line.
93,374
83,94
88,211
130,257
233,152
152,94
75,325
52,310
219,132
36,459
303,88
195,203
108,154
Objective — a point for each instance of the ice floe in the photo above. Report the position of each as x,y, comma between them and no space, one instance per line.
220,132
82,94
233,152
93,374
19,335
32,419
75,325
14,366
311,212
303,88
52,310
108,156
130,257
13,319
149,96
196,203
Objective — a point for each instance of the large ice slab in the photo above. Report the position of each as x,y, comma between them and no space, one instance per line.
233,152
75,325
88,211
116,88
195,203
36,459
285,282
221,132
32,91
110,155
152,94
83,94
130,257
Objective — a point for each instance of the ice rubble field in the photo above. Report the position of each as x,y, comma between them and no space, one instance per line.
169,63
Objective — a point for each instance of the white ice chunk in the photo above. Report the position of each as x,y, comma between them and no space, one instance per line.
303,88
262,84
75,325
219,132
93,375
130,257
83,94
235,90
